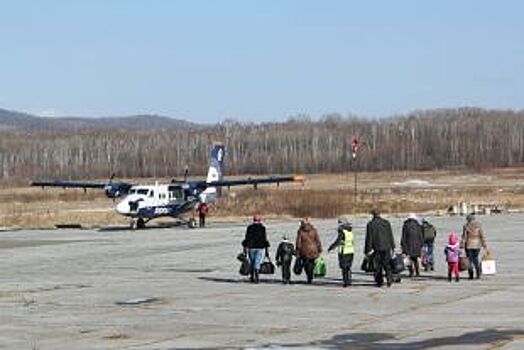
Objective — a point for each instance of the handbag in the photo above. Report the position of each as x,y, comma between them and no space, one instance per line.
464,263
267,268
298,266
245,266
367,264
320,267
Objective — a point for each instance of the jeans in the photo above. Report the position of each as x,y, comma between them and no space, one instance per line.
473,256
429,251
256,256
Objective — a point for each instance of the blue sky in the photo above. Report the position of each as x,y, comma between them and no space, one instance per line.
259,60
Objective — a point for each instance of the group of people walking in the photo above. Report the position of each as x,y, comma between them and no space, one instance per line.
417,238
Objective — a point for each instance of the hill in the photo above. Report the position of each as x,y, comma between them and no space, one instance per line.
11,120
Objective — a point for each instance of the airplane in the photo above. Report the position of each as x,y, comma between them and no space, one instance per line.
143,203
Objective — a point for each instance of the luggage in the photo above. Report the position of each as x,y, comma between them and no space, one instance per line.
367,264
488,264
245,267
267,268
299,266
320,267
397,263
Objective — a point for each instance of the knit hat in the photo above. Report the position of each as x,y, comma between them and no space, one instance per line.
453,239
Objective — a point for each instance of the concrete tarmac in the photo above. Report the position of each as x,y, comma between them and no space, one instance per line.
170,288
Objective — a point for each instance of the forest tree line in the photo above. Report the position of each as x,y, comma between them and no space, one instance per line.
436,139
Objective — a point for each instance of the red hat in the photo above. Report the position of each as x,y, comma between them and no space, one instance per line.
453,239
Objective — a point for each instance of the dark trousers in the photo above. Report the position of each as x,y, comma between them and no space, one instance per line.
202,219
382,260
286,271
414,266
309,266
345,261
473,256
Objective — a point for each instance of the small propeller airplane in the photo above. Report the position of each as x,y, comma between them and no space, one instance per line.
143,203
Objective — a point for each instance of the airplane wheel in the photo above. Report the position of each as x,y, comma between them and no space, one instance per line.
192,223
140,223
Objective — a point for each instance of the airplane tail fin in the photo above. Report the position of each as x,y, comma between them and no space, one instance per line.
215,172
216,163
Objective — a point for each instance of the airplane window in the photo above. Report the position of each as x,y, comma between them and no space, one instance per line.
152,193
132,191
142,191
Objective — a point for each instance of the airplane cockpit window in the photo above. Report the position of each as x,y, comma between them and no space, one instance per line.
132,191
143,191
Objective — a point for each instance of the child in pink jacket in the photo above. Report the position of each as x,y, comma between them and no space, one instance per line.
452,252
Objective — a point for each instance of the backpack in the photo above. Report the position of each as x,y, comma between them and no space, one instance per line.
429,232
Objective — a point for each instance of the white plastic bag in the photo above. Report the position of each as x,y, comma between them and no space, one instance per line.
489,267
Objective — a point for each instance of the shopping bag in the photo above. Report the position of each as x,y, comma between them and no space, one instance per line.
320,267
407,261
489,267
488,264
299,266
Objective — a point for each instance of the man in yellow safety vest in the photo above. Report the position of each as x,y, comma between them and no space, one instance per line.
344,242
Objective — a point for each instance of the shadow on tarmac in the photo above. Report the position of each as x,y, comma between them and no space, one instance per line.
386,341
319,282
495,337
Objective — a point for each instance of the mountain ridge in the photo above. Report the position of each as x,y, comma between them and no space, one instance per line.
13,120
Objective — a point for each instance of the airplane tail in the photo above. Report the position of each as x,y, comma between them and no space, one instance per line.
216,163
215,173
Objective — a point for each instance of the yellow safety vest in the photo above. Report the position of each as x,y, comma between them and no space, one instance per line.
347,245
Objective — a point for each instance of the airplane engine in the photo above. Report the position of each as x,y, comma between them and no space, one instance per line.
116,189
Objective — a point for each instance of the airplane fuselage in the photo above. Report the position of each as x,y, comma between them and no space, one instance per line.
152,201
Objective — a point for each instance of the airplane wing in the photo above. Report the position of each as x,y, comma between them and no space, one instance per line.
255,181
112,189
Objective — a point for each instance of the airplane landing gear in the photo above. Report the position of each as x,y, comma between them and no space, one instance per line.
138,224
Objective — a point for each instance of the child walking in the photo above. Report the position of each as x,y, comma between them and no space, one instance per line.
285,252
452,252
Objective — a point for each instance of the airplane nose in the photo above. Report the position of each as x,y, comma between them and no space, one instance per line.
122,208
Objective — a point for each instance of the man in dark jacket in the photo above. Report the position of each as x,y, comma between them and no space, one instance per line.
411,242
255,243
380,243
